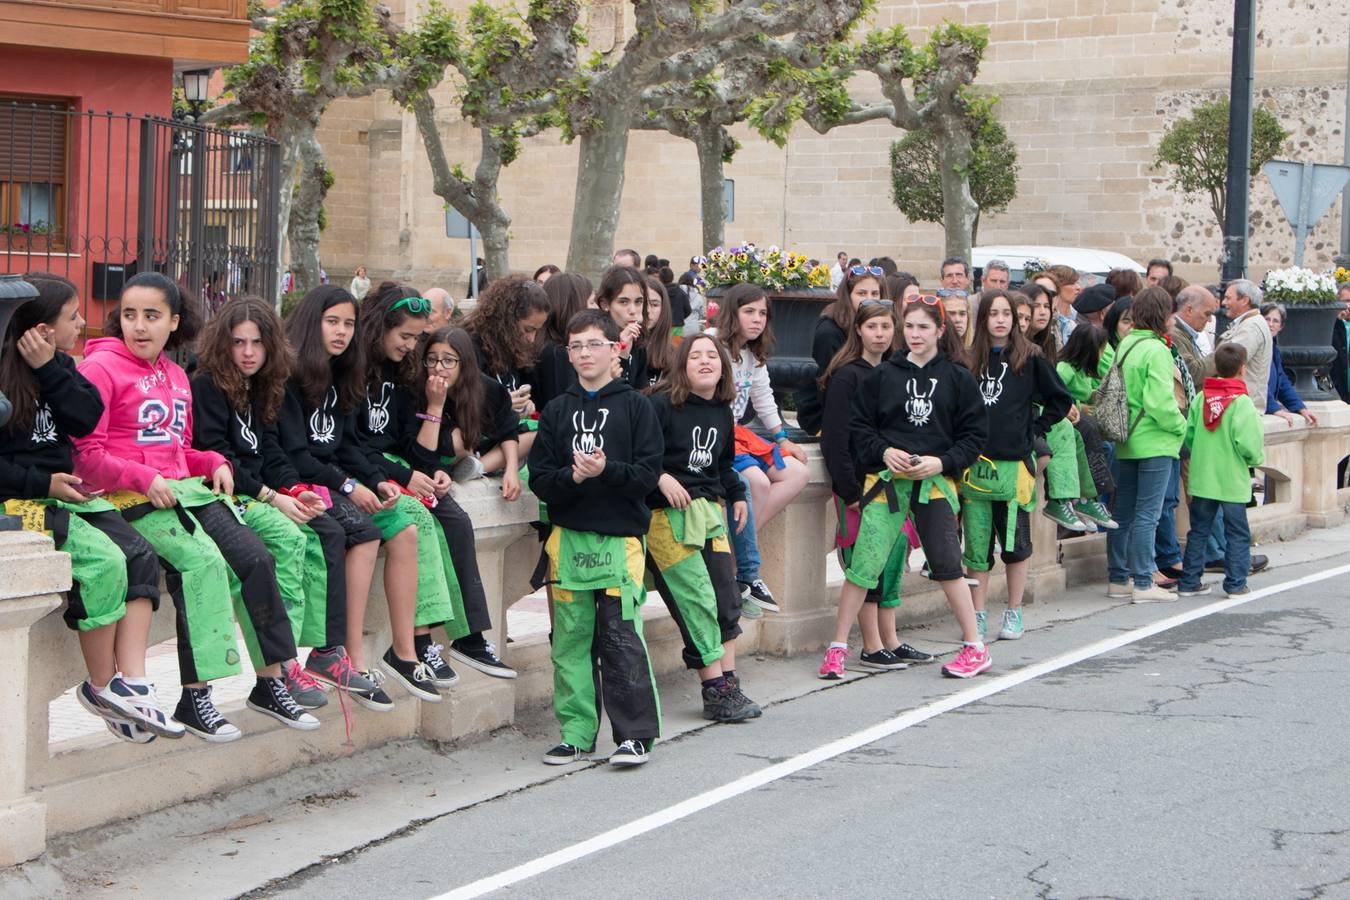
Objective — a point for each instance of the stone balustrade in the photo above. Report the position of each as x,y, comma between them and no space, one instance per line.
57,788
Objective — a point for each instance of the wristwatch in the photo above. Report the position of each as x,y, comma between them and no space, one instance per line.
348,486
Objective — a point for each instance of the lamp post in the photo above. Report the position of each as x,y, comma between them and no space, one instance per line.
196,87
14,292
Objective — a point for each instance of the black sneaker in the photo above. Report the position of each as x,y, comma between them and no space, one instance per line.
441,674
908,654
481,656
199,715
271,698
723,705
882,660
564,754
735,682
760,596
1259,563
629,753
414,675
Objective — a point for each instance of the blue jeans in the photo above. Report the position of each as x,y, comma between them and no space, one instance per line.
1208,516
1166,550
745,545
1217,545
1140,488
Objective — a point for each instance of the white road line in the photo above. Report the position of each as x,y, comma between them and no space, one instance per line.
979,691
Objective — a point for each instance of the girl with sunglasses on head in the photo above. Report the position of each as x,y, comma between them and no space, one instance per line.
1024,398
114,588
391,324
860,283
506,326
917,422
242,366
869,345
141,453
319,433
775,473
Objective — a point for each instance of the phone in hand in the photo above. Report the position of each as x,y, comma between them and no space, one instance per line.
86,492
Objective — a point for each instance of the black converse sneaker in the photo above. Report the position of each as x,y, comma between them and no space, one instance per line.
723,705
564,754
907,654
414,675
760,596
882,660
629,753
735,682
441,674
270,697
199,715
481,655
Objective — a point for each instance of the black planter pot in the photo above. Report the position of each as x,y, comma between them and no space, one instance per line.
1305,344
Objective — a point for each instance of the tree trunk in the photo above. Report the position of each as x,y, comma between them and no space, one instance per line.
288,137
304,216
595,211
958,206
708,140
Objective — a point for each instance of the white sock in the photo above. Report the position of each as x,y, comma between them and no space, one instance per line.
837,644
978,645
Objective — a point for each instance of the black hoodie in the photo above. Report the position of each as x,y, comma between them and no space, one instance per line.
252,447
68,406
836,443
930,410
622,423
825,343
387,423
700,449
499,423
1011,397
321,441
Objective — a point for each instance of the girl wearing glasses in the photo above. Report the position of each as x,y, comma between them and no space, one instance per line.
243,364
860,283
319,434
917,423
998,491
869,345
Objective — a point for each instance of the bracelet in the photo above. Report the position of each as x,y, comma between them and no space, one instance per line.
781,436
427,417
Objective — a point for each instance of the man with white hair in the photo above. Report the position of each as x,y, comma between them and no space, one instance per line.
996,276
1195,307
442,308
1242,304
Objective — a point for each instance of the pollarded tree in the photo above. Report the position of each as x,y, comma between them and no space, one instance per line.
916,174
1196,148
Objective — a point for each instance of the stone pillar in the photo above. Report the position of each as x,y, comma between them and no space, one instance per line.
1323,449
792,550
32,575
1045,577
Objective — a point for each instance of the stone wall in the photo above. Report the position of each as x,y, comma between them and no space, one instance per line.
1087,85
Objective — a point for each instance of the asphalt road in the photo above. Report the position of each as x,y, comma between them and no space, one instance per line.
1206,760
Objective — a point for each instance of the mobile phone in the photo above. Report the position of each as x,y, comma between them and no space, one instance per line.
79,487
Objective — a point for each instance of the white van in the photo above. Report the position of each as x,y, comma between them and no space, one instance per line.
1087,261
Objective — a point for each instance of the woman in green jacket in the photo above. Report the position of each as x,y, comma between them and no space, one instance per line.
1146,456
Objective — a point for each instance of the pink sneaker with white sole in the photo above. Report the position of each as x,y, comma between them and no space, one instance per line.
832,667
968,663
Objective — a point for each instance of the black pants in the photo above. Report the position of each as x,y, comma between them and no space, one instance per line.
253,565
458,528
722,574
344,526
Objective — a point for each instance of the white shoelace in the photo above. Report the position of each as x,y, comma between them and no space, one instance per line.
433,656
422,672
284,699
206,710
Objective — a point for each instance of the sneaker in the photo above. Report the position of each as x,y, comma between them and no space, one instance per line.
199,715
1119,590
1060,512
1238,592
629,753
1012,625
467,469
305,691
1200,591
335,668
749,609
441,674
1259,563
723,705
125,731
415,677
565,753
832,667
761,597
131,702
1093,511
1152,594
271,698
881,661
981,622
483,658
754,708
908,654
968,663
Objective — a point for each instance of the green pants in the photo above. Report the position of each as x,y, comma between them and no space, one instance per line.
887,594
199,582
686,585
438,596
1067,475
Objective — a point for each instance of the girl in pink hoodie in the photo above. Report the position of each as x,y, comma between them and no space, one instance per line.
141,454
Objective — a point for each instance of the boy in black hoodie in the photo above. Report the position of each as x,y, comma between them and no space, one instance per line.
597,457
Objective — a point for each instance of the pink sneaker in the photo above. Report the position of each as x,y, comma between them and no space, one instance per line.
968,663
832,668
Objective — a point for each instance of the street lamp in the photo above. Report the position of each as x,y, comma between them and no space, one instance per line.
196,87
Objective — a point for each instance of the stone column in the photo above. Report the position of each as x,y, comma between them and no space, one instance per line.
792,550
32,575
1045,577
1323,449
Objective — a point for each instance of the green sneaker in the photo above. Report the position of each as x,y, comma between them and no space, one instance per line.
1095,512
1060,512
1012,625
981,622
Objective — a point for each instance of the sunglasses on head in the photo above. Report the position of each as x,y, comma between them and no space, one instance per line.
929,300
414,305
867,270
886,303
952,292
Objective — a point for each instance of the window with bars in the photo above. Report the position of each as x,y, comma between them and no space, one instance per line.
34,173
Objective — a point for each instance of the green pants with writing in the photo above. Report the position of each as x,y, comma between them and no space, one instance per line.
438,596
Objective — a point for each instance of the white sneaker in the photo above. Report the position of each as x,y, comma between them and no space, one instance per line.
1116,591
1153,594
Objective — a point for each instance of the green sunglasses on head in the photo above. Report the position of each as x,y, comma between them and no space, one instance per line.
414,305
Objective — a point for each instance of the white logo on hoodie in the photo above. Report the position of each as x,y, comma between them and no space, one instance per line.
701,456
588,438
919,406
246,431
377,414
44,426
992,388
322,425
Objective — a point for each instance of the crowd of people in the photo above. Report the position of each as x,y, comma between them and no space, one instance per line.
262,480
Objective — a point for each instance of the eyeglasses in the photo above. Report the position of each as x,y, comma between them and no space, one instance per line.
414,305
929,300
593,346
441,362
886,303
867,270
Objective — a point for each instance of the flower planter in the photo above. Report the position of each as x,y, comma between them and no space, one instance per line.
28,243
1305,344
